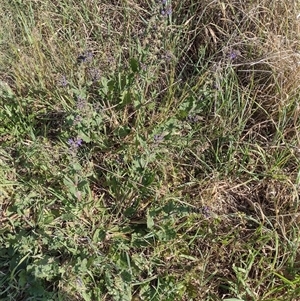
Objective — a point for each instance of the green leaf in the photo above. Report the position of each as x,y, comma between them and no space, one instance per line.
126,97
84,136
150,221
134,64
5,90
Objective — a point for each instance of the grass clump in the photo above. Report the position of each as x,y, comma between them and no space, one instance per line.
149,150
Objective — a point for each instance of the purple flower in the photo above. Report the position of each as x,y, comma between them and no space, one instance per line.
74,143
206,211
234,54
81,103
94,73
158,138
192,118
85,57
77,120
167,11
62,81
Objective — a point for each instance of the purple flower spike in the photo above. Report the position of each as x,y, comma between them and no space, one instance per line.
94,74
234,54
81,103
192,118
77,119
168,10
85,57
78,142
206,211
62,81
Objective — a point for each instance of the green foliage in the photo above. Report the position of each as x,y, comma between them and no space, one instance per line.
149,150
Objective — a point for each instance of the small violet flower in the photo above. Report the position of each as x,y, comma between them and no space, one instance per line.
62,81
192,118
74,143
158,138
167,11
77,119
85,57
234,54
94,73
206,211
81,103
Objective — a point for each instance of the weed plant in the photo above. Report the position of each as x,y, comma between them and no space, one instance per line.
149,150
